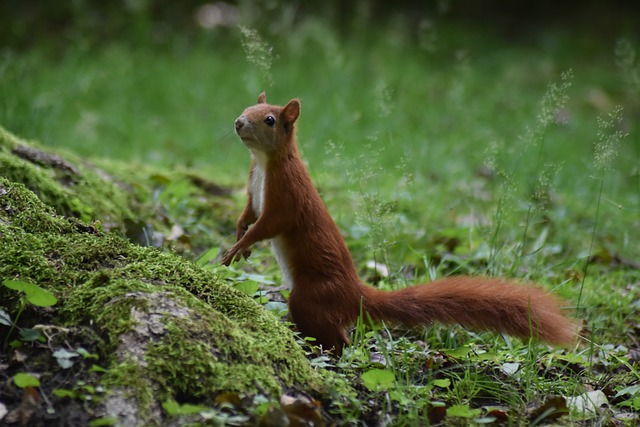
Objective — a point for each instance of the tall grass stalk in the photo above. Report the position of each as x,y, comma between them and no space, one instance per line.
553,101
605,152
374,215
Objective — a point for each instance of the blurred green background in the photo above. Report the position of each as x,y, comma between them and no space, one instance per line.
441,107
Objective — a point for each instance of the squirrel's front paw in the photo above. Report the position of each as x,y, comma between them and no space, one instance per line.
234,255
227,259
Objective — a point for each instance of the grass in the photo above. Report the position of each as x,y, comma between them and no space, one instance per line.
467,154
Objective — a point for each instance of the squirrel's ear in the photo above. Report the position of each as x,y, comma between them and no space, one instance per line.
262,98
290,113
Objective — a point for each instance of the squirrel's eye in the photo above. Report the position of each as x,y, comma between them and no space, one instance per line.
270,121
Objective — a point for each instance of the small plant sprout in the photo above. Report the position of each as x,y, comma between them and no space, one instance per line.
33,294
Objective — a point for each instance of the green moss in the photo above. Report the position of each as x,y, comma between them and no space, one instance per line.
93,301
211,341
171,330
131,380
71,186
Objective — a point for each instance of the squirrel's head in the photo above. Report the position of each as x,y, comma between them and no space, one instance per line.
265,127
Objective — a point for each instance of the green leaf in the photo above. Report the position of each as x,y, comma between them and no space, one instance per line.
171,407
65,363
510,369
23,380
208,256
632,403
34,293
378,379
174,408
63,392
5,319
16,285
31,335
444,383
463,411
459,353
188,409
84,353
632,390
104,421
248,287
64,354
41,297
63,357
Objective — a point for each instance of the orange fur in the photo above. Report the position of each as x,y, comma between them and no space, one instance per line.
326,293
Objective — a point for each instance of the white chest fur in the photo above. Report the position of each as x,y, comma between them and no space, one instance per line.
257,187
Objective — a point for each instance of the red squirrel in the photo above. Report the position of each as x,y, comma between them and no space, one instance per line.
326,294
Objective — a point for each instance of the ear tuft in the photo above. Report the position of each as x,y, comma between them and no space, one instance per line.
290,113
262,98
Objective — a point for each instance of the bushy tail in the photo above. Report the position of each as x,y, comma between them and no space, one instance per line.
477,303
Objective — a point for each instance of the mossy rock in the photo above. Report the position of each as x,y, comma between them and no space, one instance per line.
154,327
144,203
67,184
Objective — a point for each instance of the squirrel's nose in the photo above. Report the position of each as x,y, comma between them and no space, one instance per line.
239,123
